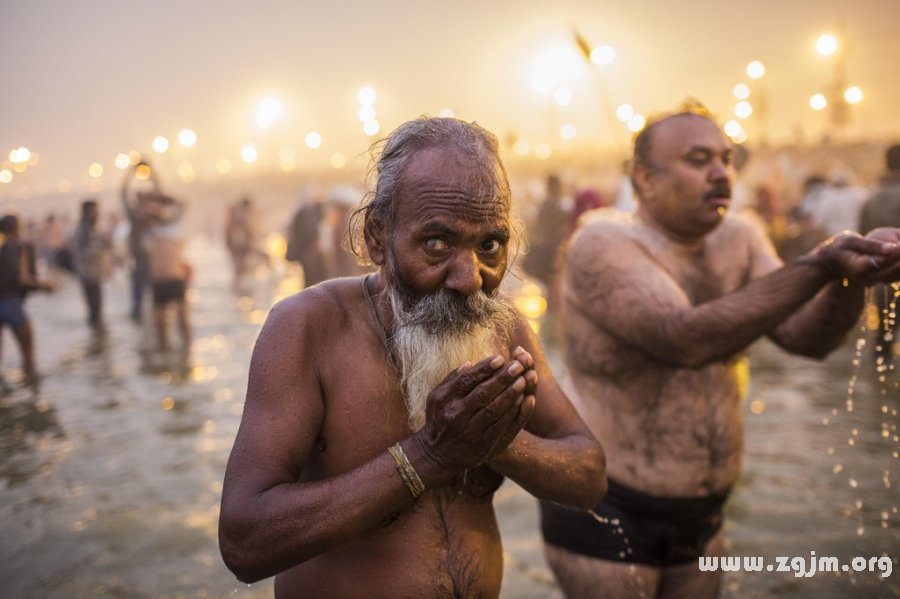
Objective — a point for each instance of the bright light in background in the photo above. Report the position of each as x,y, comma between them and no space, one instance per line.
366,96
636,122
223,166
19,155
134,157
563,96
371,128
743,109
818,102
826,45
366,113
603,55
853,95
95,170
160,144
249,153
740,137
338,160
741,91
554,65
624,112
755,70
6,176
313,140
268,110
446,113
542,83
521,147
568,131
122,161
733,128
542,151
186,172
142,172
187,138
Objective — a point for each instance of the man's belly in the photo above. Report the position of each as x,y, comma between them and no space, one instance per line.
669,434
441,549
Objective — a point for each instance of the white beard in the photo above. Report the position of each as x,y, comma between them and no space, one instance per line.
427,358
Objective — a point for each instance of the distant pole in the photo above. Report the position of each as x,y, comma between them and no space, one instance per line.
607,111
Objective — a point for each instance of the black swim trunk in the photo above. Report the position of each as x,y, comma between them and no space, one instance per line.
167,291
637,528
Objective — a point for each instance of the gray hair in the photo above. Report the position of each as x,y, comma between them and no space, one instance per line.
391,156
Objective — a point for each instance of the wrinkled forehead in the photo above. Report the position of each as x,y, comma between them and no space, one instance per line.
679,134
449,181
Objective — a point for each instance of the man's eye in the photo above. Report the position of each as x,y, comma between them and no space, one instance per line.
491,246
697,160
434,244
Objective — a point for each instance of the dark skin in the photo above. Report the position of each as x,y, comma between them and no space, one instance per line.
311,493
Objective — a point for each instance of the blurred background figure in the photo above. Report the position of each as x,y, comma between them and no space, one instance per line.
140,190
836,206
243,238
585,200
303,243
546,235
18,277
882,209
92,254
169,271
51,239
342,200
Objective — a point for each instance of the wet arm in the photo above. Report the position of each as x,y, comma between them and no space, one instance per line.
640,303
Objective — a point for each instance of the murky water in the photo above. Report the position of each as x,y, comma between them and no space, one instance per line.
110,473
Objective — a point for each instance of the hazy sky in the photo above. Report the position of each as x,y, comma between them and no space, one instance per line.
87,79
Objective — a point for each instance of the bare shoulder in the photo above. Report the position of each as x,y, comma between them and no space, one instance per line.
739,228
320,311
603,231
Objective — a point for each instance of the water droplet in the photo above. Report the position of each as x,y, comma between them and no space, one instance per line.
825,421
860,531
853,483
851,442
859,504
837,468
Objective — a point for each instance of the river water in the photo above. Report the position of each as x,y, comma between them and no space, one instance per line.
111,471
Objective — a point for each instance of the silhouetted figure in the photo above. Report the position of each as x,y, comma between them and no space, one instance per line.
92,253
18,277
303,243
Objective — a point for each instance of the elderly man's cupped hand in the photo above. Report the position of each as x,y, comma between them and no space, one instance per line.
478,410
872,259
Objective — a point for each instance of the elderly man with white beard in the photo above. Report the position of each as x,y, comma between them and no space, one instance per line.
383,412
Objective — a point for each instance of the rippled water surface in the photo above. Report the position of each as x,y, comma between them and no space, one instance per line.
110,471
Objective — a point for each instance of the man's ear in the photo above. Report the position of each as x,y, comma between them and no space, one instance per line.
641,180
374,233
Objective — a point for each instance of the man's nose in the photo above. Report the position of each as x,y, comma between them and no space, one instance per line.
465,273
719,170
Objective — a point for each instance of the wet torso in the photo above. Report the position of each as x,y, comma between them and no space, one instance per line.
667,430
446,544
